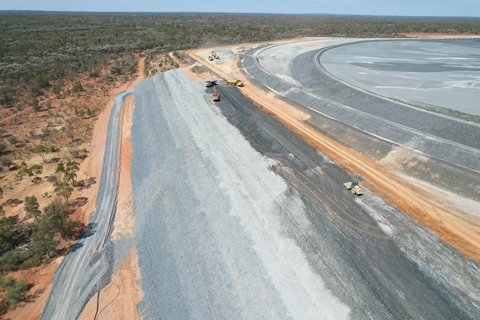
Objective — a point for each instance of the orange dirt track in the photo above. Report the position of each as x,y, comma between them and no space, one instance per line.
428,205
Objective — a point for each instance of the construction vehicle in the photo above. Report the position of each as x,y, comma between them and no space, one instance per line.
215,55
216,97
210,58
235,82
210,83
354,187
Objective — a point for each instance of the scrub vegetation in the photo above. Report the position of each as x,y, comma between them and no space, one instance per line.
56,72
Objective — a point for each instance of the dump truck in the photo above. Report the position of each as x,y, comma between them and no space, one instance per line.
354,187
235,82
210,83
216,97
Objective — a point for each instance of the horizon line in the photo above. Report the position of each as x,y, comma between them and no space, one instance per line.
240,13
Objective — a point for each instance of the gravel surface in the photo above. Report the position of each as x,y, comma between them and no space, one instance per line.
238,218
445,138
209,239
82,272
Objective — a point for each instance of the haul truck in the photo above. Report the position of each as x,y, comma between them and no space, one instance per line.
235,82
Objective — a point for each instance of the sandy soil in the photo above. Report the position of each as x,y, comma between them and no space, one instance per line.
438,35
119,299
197,73
431,207
92,167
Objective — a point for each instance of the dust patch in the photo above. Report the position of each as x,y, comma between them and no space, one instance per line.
198,72
400,157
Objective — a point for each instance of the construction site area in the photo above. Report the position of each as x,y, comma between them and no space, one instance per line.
318,178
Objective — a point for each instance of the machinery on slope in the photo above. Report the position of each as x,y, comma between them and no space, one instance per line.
216,97
210,83
214,54
235,82
354,187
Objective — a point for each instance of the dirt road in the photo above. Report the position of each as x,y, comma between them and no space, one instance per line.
428,205
88,265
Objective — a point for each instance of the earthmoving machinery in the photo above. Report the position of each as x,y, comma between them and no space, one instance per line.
210,58
215,55
216,97
210,83
235,82
354,187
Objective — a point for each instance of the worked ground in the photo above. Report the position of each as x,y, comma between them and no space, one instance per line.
253,222
236,216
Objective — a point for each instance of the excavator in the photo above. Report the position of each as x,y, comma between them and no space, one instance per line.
354,187
215,55
216,97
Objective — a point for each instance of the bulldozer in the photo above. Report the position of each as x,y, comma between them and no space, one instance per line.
235,82
354,187
216,97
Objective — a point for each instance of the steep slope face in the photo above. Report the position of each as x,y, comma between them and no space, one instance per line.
252,222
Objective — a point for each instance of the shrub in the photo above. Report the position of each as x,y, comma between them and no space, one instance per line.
56,90
32,208
14,121
77,87
31,172
13,140
64,190
15,291
115,69
12,234
6,162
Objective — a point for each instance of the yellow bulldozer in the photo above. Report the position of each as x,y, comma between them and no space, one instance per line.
354,187
235,82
